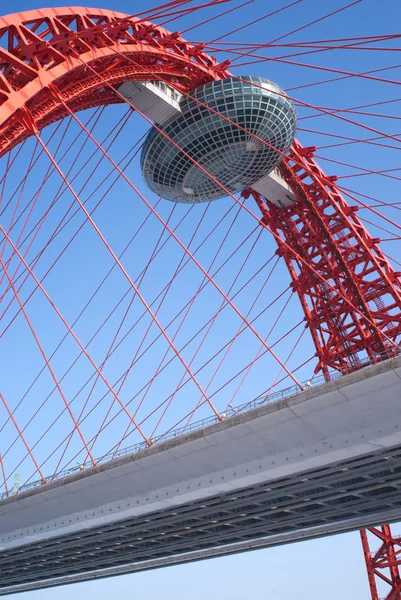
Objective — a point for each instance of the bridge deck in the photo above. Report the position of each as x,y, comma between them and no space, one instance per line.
324,461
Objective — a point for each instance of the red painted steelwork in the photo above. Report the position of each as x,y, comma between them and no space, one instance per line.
383,565
323,229
59,47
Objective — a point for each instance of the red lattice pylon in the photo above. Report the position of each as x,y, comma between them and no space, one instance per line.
351,296
383,565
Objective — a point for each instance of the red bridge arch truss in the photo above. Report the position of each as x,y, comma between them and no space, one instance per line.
55,62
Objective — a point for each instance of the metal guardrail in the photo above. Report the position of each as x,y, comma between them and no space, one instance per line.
178,432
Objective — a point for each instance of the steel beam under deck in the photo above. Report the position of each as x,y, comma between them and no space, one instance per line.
358,489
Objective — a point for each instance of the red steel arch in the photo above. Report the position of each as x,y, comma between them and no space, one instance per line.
62,47
350,294
57,51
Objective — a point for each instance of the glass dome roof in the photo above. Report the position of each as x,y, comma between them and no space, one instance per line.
229,154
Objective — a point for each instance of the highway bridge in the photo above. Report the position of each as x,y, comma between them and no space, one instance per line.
323,461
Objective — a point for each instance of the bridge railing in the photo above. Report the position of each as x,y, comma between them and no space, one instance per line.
265,398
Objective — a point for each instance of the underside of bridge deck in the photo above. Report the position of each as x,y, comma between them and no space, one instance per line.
342,497
323,461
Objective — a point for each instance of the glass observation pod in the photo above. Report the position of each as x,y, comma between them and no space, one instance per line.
235,130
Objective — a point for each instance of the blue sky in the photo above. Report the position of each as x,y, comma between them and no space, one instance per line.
331,567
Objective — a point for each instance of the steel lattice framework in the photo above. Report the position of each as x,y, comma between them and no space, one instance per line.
383,564
81,55
56,62
323,231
